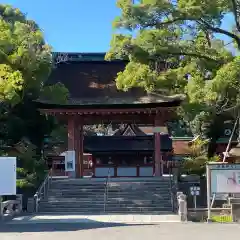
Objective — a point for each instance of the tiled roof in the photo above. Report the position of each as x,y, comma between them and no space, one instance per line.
124,143
133,127
93,82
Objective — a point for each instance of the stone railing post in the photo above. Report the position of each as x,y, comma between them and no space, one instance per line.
36,202
1,209
20,200
182,206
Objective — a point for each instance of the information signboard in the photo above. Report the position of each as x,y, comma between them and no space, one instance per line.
70,161
8,176
224,178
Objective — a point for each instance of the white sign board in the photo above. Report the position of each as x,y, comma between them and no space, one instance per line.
70,161
8,176
195,190
225,178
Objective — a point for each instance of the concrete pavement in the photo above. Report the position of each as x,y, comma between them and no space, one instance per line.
117,218
118,231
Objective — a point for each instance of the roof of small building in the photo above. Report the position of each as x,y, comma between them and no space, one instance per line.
124,143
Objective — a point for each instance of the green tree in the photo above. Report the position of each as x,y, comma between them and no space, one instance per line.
175,47
25,65
196,162
25,59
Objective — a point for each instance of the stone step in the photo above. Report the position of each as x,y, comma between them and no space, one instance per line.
76,187
123,194
113,184
71,201
138,193
117,185
125,204
54,190
71,204
145,196
72,191
110,194
138,208
150,191
81,189
108,206
141,187
110,199
128,190
125,186
92,183
112,208
138,199
76,196
75,211
88,204
139,190
101,210
138,184
73,198
78,184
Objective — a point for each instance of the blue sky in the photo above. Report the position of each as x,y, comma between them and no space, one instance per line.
73,25
77,25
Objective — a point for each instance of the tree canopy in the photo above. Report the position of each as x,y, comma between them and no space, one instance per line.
25,58
25,65
176,47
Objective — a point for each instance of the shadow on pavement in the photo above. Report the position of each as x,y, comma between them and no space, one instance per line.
59,227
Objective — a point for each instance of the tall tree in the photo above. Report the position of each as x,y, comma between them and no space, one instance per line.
176,47
25,64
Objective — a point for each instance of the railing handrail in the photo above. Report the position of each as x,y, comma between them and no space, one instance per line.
106,189
49,174
171,189
43,188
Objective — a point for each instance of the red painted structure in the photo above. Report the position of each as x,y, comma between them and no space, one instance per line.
94,99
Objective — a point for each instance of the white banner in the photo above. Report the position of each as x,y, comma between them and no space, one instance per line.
70,161
8,176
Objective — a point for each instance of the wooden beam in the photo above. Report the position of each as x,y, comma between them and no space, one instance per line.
106,111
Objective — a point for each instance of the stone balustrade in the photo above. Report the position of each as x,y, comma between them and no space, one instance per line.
11,207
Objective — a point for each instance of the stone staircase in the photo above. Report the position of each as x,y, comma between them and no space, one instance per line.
74,196
125,195
139,196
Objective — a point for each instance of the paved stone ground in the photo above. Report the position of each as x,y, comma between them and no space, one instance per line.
118,231
102,218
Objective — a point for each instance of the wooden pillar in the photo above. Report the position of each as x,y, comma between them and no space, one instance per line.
78,146
75,143
157,147
81,148
71,134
